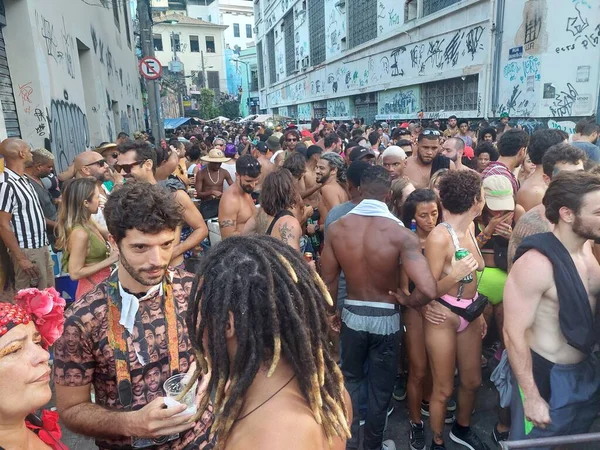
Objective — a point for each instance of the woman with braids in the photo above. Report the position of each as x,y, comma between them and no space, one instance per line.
259,327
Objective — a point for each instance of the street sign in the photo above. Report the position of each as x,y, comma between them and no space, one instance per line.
150,68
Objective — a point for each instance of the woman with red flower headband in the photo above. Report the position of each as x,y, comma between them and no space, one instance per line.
27,329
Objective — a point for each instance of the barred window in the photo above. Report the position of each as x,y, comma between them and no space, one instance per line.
362,21
432,6
293,111
454,94
261,66
320,109
316,28
290,49
271,56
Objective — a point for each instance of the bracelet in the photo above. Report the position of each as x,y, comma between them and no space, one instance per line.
482,237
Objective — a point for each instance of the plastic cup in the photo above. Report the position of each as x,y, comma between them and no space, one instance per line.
174,386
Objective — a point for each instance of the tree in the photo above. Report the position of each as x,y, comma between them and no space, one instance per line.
229,106
206,104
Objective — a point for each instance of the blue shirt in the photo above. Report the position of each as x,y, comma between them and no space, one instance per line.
592,151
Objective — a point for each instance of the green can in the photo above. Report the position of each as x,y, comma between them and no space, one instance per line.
460,254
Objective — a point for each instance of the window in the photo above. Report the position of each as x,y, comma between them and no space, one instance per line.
126,20
454,94
362,21
158,45
249,31
432,6
210,44
212,76
410,10
261,66
115,8
271,56
290,49
236,30
175,44
194,44
254,79
316,29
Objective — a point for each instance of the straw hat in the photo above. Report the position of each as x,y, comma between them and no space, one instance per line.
215,156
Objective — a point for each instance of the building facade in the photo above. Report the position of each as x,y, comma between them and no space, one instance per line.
384,59
79,84
248,70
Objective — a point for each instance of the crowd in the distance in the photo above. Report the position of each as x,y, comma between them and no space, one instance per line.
308,278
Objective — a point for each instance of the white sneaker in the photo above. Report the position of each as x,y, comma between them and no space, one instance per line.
388,445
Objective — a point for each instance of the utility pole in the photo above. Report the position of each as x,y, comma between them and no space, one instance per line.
152,87
203,71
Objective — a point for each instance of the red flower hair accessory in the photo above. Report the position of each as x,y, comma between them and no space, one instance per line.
46,308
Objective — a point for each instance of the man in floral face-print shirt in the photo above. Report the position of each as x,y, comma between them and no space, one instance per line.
132,335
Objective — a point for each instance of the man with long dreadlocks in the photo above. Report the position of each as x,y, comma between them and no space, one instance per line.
259,324
370,328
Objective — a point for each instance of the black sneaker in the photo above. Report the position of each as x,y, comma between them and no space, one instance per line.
399,389
416,435
435,446
448,420
467,439
497,436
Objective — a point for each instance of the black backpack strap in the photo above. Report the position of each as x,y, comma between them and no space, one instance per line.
279,215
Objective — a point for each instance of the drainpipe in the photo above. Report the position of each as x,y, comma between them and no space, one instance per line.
497,34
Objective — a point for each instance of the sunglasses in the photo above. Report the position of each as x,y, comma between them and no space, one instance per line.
100,162
114,155
127,167
431,133
292,140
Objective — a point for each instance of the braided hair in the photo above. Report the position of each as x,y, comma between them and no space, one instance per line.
278,306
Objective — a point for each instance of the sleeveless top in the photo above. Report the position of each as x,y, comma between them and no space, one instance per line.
97,250
278,216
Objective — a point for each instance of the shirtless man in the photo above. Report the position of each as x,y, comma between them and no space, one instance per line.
532,190
210,183
453,149
237,206
310,189
370,265
331,174
427,160
263,154
549,304
137,160
559,158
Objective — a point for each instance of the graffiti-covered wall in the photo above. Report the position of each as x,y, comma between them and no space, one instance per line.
549,63
74,71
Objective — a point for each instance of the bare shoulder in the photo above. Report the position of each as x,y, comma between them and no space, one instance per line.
439,236
533,266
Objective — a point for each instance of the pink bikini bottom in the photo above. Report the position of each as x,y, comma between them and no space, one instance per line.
459,303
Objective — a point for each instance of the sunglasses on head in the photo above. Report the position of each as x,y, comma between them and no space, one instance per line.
431,133
127,167
100,162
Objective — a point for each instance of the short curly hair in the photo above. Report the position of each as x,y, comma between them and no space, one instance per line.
459,190
149,208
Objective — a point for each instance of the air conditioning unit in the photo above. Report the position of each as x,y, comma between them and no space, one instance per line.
255,30
305,62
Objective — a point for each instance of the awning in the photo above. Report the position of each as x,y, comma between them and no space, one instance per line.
274,117
171,124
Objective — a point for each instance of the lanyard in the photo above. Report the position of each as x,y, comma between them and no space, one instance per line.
118,335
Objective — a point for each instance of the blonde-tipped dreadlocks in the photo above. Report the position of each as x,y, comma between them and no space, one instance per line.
278,305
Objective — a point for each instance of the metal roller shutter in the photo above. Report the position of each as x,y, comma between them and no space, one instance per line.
7,96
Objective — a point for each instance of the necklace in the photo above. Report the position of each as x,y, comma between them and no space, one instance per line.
218,176
263,403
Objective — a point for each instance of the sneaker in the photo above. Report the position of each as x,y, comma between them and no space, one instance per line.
361,422
390,410
449,419
416,435
435,446
497,436
467,439
388,445
399,389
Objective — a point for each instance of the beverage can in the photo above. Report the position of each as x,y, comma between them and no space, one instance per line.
460,254
308,256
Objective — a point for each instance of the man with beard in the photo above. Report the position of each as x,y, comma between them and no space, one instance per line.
137,382
160,332
137,160
92,165
427,160
452,128
331,174
549,304
453,149
237,205
142,220
263,154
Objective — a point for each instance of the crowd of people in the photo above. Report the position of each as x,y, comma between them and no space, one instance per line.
308,278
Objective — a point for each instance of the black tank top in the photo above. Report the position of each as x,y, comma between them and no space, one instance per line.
278,216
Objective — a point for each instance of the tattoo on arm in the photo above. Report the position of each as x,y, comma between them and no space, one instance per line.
227,223
286,233
531,223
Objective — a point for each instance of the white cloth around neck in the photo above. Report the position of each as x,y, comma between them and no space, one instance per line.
375,208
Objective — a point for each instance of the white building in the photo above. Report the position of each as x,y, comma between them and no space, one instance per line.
385,59
198,46
73,72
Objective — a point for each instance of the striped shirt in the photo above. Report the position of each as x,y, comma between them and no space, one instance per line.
498,168
18,198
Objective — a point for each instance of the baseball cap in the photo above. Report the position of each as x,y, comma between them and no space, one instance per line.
498,193
359,153
273,143
261,147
